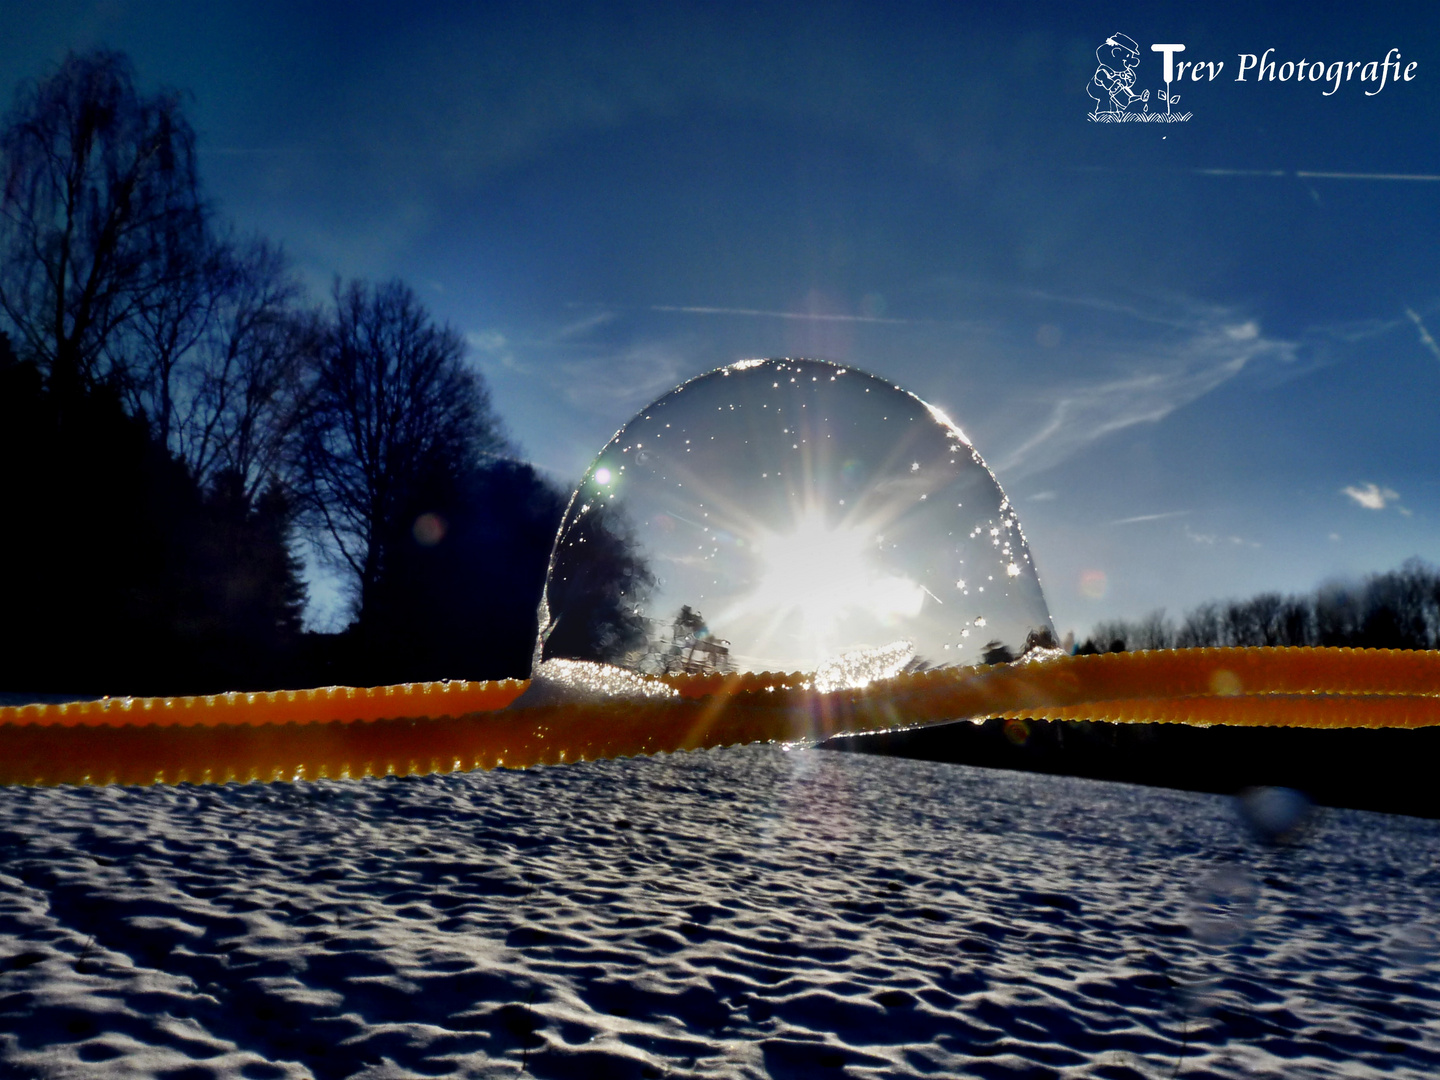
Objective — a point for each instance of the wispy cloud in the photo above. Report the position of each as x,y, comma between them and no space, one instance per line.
622,381
581,327
1150,517
1214,539
1371,496
1199,351
578,361
1425,338
756,312
1240,172
494,347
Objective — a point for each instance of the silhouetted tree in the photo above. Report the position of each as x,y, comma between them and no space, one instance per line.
143,422
688,621
1259,620
1399,609
241,392
1117,635
178,408
99,209
463,583
157,353
1295,622
391,408
1199,628
598,586
996,652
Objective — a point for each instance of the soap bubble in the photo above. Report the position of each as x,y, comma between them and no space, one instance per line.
789,515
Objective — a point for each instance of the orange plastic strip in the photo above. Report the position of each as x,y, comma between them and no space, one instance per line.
443,727
451,698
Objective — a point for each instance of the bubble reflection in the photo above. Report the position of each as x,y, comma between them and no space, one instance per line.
1221,906
1276,815
789,515
1412,945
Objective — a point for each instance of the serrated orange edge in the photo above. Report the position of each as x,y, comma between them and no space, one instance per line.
417,728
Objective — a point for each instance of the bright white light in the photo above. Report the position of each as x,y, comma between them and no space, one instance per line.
602,476
823,572
861,667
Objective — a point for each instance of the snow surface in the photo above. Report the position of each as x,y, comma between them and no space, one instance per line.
737,913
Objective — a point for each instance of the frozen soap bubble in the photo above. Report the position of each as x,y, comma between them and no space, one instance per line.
789,515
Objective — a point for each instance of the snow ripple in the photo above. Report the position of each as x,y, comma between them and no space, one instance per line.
737,913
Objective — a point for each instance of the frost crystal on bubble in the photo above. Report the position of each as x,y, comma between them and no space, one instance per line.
575,681
861,667
789,515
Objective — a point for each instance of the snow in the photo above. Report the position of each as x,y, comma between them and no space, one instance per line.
738,913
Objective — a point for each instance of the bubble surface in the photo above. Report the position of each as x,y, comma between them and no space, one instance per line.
790,515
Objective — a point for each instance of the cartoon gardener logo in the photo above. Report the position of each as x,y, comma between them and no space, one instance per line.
1113,85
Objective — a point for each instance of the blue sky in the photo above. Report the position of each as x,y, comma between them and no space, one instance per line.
1200,366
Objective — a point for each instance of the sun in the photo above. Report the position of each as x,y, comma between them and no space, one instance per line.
821,573
810,569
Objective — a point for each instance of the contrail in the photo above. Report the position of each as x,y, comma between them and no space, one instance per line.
777,314
1151,517
1367,176
1311,174
1425,338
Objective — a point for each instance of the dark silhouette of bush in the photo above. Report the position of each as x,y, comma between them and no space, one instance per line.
121,575
466,567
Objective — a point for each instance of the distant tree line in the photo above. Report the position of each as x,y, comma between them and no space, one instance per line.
1399,609
177,416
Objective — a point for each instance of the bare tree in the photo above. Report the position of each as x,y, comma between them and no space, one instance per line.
392,410
239,395
1154,631
1339,613
1201,628
160,348
98,180
1400,608
1296,622
1256,621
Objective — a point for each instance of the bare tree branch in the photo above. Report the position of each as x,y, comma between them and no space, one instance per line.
100,190
391,408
